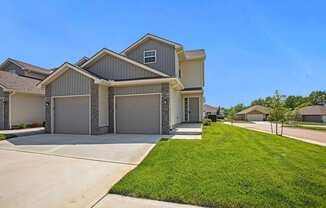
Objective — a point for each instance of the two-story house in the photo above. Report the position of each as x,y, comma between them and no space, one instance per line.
148,88
21,101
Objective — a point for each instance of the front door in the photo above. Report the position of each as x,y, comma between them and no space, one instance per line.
192,109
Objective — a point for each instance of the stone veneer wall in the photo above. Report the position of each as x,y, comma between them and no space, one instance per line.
95,129
48,109
165,90
4,110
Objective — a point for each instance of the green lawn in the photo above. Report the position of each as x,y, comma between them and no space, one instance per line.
231,167
6,136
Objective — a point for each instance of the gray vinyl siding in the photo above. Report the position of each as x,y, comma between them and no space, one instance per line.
165,55
144,89
112,68
70,83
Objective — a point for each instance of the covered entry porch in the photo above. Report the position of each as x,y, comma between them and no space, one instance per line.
192,106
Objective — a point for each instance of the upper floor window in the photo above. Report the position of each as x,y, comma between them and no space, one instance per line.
149,56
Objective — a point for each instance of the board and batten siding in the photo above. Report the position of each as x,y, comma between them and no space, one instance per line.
165,56
175,107
103,106
112,68
143,89
192,73
35,105
70,83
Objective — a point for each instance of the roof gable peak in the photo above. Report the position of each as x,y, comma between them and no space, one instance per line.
153,37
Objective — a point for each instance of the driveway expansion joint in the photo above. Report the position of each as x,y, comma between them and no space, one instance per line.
66,156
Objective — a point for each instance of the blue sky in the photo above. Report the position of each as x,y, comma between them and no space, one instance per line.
253,47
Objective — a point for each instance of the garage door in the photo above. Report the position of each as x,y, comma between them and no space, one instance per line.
71,115
255,117
138,114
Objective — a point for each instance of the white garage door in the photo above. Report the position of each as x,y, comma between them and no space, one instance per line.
255,117
71,115
139,114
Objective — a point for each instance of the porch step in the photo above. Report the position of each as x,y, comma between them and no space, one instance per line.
187,129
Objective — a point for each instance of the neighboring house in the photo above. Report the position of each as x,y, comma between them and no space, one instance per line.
209,110
254,113
149,88
21,101
24,69
314,113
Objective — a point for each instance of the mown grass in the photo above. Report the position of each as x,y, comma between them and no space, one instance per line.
6,136
231,167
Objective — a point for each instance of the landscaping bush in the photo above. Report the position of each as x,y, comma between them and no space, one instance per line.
23,126
207,122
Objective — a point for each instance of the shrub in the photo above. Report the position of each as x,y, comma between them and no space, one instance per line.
207,122
23,126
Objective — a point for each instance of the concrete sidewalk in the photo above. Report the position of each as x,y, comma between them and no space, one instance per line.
113,201
24,132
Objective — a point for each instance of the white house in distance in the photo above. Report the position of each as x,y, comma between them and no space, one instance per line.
254,113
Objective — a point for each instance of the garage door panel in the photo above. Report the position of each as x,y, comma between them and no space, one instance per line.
138,114
71,115
255,117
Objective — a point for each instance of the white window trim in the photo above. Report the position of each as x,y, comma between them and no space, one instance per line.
153,62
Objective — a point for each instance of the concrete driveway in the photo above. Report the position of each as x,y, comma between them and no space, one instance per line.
66,170
306,135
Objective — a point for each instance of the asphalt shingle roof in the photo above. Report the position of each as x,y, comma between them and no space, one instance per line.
31,67
313,110
19,83
258,108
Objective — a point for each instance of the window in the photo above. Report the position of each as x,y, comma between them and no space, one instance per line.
149,56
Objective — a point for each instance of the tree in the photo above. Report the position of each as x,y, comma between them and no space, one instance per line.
218,111
277,111
235,109
293,102
231,115
317,97
259,101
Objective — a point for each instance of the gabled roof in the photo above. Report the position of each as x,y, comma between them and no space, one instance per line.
27,66
313,110
209,108
195,54
13,82
151,36
66,66
124,58
82,61
258,108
